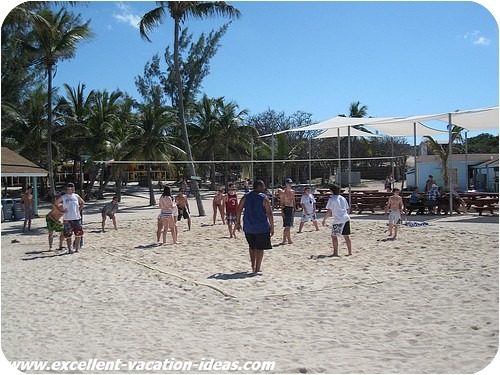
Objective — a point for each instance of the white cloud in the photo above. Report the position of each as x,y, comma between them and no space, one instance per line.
482,41
126,15
476,38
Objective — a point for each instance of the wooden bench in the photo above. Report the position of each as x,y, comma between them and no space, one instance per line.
480,209
366,206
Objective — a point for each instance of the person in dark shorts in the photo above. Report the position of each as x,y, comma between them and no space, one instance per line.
183,207
287,202
258,223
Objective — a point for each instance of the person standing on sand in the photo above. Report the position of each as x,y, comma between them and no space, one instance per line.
53,220
27,204
110,210
183,207
258,223
395,207
338,208
308,204
231,205
218,205
72,205
287,202
166,204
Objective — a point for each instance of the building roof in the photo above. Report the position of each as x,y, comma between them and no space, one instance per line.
472,159
488,164
14,165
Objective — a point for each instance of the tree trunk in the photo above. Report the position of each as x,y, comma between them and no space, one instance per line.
180,105
152,199
52,191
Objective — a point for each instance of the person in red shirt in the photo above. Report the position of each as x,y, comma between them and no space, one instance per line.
231,203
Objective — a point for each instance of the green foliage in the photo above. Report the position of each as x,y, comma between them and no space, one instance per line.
482,144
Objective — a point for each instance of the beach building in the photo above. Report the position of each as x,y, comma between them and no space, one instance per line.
470,172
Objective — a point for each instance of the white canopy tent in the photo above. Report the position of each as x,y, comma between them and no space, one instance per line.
476,119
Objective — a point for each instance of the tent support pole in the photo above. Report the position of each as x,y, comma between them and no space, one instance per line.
310,141
415,151
450,157
35,196
272,171
466,163
349,163
339,172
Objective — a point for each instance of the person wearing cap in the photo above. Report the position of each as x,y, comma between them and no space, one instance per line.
287,203
72,205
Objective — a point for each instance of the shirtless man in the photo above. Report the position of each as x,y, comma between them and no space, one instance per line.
54,224
183,207
395,207
27,204
287,202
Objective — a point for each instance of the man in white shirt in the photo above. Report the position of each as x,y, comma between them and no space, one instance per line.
72,205
308,204
338,208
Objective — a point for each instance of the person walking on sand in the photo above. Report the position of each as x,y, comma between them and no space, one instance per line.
183,207
308,204
258,223
109,210
231,205
166,204
218,205
54,224
72,205
27,205
394,208
287,202
338,208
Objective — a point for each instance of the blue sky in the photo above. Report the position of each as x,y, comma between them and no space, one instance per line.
397,58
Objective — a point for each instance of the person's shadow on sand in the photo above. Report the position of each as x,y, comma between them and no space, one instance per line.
150,246
231,276
321,256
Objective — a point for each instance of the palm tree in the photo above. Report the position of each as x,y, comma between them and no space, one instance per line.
235,138
105,111
180,11
204,130
155,143
74,111
56,37
443,152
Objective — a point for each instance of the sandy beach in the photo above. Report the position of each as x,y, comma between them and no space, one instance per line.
425,303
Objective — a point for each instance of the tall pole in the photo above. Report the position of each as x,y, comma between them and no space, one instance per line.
349,163
310,141
251,163
466,163
392,158
339,173
415,151
450,157
272,169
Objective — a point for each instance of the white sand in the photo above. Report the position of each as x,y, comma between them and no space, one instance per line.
426,303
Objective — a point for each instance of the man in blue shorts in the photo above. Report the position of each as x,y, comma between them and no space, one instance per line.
258,223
